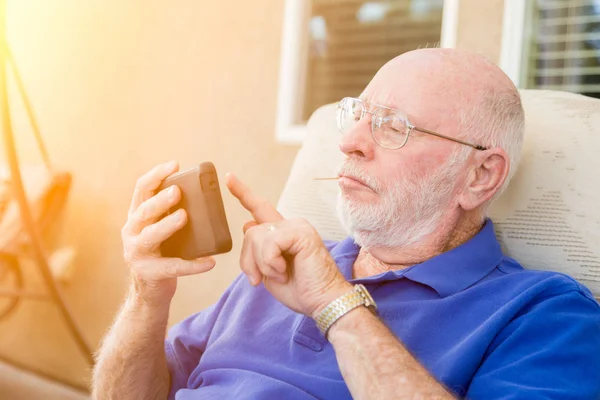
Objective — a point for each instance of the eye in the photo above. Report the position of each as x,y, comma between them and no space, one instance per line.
398,126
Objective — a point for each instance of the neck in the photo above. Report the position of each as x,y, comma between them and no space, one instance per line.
450,234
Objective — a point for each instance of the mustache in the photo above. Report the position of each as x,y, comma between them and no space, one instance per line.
353,170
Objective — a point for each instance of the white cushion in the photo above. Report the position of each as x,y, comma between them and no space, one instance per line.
547,219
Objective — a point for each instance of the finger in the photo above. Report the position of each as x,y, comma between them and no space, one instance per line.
260,240
153,235
149,182
273,257
165,268
260,209
247,263
248,225
153,208
288,239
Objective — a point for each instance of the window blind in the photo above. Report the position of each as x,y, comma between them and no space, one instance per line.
564,48
349,40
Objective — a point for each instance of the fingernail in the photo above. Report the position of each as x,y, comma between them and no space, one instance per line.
171,193
171,164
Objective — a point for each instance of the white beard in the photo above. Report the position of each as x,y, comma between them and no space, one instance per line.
405,213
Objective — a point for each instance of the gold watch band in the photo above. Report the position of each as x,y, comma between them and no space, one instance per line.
342,305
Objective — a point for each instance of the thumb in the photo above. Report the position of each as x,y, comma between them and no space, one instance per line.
262,211
248,225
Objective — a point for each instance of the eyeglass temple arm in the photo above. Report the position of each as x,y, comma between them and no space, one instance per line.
476,147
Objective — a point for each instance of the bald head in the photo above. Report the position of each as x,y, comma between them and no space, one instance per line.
456,92
438,85
452,67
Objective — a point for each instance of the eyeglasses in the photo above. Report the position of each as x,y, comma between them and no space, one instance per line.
389,127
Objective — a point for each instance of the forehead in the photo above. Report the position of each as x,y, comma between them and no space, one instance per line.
395,90
421,93
389,99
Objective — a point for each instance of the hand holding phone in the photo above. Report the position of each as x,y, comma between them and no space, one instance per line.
206,232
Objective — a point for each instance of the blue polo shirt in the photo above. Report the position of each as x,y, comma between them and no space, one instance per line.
475,319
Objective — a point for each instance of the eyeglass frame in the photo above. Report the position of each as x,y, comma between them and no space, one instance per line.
410,126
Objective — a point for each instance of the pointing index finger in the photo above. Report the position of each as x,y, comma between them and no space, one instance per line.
261,210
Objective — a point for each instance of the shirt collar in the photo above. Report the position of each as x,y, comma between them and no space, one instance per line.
447,273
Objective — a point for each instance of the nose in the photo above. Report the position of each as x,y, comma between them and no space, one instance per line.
358,142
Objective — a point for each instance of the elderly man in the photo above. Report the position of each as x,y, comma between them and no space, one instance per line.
432,140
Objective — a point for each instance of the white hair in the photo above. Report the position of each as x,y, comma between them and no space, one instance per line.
407,210
497,120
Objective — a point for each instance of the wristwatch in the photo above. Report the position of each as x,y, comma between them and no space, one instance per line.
359,296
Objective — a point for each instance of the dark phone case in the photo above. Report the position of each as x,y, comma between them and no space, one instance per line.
206,231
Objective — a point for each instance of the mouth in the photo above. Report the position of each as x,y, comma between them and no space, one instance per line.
352,182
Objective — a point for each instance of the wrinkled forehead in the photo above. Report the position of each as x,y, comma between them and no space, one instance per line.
419,93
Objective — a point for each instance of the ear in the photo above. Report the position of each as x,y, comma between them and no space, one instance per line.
489,170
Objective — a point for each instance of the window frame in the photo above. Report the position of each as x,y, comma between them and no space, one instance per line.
292,72
512,46
514,49
293,64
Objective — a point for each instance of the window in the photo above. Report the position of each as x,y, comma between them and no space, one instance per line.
340,45
561,45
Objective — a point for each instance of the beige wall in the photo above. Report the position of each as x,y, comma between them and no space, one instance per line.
118,87
480,27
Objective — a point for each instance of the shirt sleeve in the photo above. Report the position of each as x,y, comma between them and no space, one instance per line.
549,351
186,341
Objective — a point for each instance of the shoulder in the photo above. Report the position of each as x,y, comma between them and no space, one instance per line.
550,324
540,284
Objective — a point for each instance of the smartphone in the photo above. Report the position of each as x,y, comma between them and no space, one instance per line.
206,232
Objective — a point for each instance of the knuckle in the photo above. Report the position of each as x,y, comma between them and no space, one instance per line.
143,214
301,221
269,255
146,243
171,268
129,253
128,256
141,182
304,225
145,239
134,248
295,221
125,232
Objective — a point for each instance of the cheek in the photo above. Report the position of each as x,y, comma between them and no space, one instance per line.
431,160
410,168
